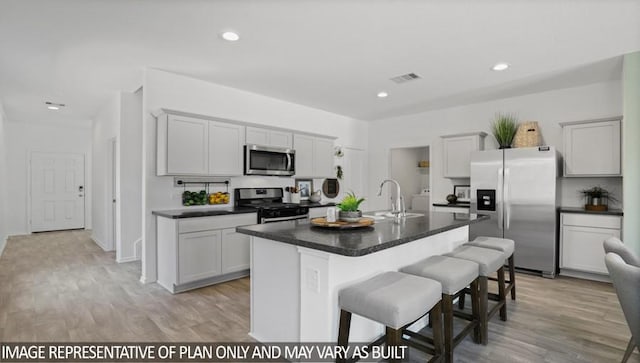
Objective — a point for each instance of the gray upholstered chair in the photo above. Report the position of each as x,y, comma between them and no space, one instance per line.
626,280
615,245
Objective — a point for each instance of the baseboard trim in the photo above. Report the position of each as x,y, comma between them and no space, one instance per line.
585,275
3,243
127,259
98,242
143,280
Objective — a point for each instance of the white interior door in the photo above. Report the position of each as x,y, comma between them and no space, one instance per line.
57,191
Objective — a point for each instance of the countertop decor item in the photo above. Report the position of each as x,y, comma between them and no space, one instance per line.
315,196
305,187
463,193
504,128
361,222
451,198
597,198
528,135
350,208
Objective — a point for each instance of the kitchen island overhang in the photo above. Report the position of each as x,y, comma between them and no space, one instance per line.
297,270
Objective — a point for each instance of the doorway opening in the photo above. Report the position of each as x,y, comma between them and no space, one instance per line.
410,167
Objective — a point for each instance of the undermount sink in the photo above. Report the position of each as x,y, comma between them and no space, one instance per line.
386,214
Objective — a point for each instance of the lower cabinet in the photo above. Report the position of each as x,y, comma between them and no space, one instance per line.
581,241
235,250
451,209
196,252
199,255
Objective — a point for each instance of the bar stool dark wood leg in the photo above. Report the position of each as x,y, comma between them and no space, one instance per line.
343,332
512,277
484,300
394,339
438,346
447,308
461,301
475,309
502,294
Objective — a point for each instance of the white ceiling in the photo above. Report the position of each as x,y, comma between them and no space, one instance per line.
328,54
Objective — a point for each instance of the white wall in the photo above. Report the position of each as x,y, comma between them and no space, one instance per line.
171,91
130,207
404,169
106,126
3,181
119,118
22,139
631,148
548,108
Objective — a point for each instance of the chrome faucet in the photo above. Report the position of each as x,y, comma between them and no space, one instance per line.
398,207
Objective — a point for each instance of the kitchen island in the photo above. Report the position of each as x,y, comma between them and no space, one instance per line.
297,270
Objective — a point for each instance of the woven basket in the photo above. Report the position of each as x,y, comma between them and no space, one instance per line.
528,135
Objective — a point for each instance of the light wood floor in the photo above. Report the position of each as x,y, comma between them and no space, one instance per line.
60,286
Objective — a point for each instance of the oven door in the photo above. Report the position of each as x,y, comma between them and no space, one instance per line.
283,219
264,160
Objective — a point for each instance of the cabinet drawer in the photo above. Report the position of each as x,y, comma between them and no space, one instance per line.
588,220
215,222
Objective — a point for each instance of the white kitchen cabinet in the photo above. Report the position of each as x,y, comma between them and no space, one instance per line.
187,145
235,251
226,153
199,255
314,156
267,137
457,151
592,148
196,252
197,146
581,240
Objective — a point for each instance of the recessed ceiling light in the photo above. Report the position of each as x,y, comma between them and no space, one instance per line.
53,107
230,36
501,66
382,94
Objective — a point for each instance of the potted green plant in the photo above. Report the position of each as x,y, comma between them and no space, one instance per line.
504,128
597,198
349,208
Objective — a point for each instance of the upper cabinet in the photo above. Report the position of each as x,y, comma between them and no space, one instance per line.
266,137
592,148
226,142
314,156
457,153
195,146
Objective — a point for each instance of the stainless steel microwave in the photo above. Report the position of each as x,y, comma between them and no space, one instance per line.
267,160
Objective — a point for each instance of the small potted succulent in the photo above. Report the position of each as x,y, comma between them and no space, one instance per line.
504,129
349,208
597,198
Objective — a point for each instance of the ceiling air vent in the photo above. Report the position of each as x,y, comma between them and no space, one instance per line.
405,78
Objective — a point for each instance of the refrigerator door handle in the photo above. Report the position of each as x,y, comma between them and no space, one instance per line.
507,203
499,204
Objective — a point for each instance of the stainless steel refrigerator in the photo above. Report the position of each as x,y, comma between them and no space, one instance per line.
517,188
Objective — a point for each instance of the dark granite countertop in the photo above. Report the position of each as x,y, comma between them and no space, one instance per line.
201,212
358,242
453,205
304,203
611,212
208,212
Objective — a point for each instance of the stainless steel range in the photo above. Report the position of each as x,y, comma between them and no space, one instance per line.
268,202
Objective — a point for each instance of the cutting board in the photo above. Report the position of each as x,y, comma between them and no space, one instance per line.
322,222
